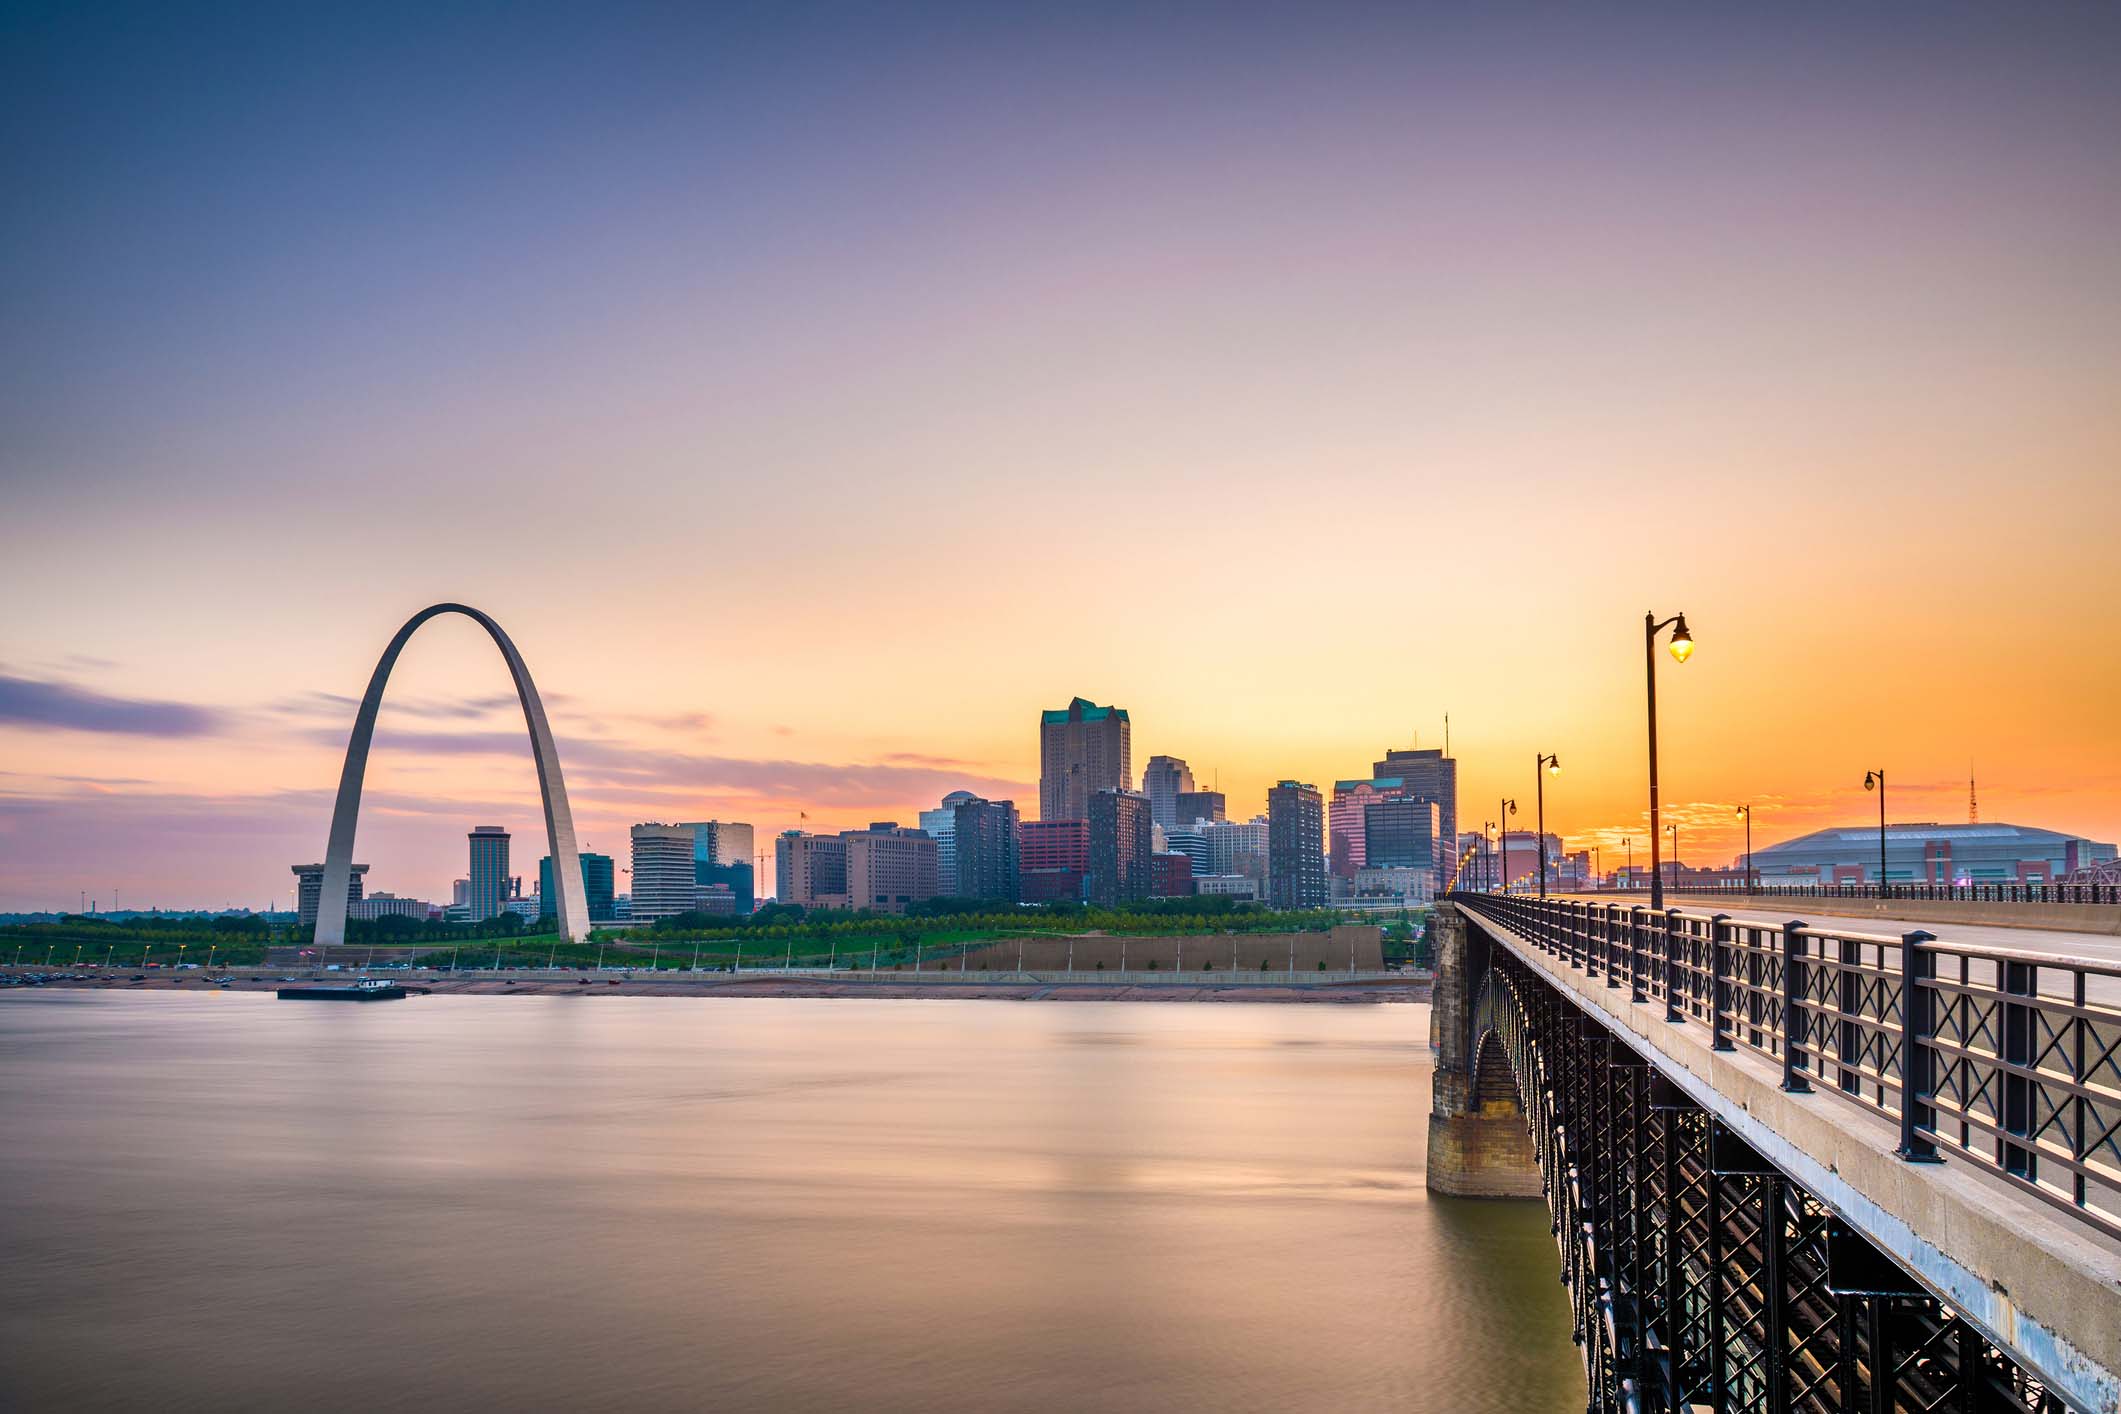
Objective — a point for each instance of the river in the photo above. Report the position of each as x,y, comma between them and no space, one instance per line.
232,1202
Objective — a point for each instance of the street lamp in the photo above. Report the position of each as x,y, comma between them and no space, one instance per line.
1628,844
1875,780
1487,843
1658,900
1539,782
1747,812
1682,649
1503,813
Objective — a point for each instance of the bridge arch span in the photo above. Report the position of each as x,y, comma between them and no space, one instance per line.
570,904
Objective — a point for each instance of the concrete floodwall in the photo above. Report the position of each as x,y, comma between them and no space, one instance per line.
1351,945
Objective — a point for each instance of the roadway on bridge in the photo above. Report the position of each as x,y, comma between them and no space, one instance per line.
2094,948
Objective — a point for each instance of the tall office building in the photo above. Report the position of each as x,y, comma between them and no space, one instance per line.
1053,856
662,871
1163,781
1121,848
1344,820
722,859
1082,749
597,881
940,824
1193,844
1296,840
1403,833
1429,775
1238,847
1195,805
810,870
888,867
309,888
489,871
984,854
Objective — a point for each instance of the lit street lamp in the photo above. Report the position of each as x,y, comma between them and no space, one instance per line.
1539,783
1682,649
1629,845
1657,901
1875,780
1503,812
1747,812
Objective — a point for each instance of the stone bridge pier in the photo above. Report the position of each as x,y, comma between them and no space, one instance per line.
1478,1144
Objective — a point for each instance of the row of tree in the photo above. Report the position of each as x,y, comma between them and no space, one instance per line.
1156,916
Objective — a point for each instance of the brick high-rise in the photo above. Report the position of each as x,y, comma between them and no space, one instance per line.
1296,839
1120,848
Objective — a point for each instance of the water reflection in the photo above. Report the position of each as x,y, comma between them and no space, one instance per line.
227,1201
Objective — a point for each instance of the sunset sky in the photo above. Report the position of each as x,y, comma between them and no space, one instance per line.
817,392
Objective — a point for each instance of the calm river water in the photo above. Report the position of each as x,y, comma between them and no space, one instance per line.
232,1202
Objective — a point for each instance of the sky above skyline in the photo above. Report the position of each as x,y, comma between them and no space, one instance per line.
815,393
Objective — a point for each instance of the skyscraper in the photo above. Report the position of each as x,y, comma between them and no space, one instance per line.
1296,838
1163,781
1429,775
1120,848
663,881
1083,748
489,871
1238,847
1195,805
721,856
984,857
940,824
597,881
1403,833
1345,815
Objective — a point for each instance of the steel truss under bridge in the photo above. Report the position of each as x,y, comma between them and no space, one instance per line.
1700,1276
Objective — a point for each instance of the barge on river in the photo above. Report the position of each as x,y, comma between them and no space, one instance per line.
370,989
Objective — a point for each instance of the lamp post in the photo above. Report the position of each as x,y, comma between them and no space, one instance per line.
1539,783
1682,649
1875,780
1628,844
1503,812
1487,846
1657,900
1747,812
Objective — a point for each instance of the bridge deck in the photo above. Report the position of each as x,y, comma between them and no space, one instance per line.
2037,1281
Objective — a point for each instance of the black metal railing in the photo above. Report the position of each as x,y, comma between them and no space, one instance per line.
2008,1058
1943,893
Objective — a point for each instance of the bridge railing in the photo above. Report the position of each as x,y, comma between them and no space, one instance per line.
1942,893
2003,1057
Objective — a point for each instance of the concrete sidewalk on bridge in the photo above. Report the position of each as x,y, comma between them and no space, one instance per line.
2095,948
2036,1280
2065,919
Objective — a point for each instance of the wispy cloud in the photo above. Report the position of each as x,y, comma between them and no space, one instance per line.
62,706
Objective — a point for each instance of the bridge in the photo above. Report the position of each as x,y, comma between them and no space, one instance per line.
1816,1163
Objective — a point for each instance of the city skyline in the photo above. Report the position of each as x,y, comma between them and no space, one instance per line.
401,828
316,320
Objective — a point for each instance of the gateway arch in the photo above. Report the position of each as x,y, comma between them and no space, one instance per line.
570,904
